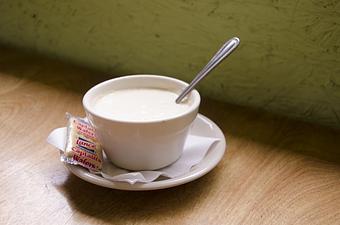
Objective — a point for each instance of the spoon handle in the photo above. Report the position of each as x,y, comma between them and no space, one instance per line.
221,54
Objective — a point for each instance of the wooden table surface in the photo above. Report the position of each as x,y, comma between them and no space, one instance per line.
275,171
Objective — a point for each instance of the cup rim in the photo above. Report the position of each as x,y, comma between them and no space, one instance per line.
193,107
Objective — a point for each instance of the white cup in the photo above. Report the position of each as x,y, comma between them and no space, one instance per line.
146,145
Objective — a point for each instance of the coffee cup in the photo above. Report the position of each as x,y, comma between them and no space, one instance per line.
138,136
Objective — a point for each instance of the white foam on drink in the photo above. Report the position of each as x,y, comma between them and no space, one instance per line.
139,105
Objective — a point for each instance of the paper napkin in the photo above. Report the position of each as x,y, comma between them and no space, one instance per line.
195,148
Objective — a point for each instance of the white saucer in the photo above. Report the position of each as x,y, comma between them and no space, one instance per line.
202,126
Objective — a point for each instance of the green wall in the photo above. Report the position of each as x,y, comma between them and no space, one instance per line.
288,61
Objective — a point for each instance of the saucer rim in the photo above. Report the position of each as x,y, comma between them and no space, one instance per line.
220,149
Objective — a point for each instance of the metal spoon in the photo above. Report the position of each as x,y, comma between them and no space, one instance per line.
221,54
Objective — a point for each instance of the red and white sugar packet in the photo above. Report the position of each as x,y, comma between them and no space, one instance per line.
82,147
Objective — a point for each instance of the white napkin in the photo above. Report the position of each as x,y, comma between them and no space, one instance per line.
195,148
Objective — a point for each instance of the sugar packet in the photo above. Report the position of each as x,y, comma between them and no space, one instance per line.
82,147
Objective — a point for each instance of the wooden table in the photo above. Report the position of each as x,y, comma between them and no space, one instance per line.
276,170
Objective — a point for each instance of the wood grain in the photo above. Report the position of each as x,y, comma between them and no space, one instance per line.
276,170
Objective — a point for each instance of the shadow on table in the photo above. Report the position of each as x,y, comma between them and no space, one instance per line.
252,125
53,72
132,207
275,131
